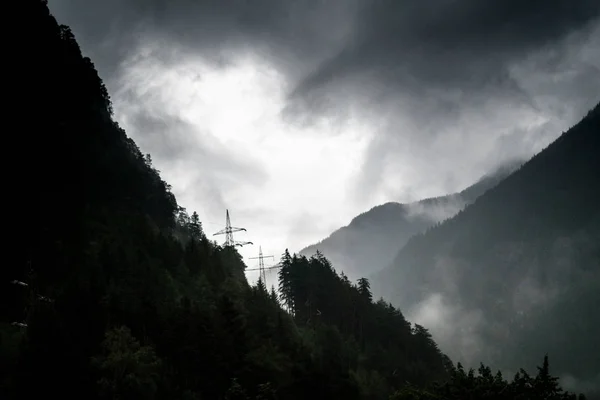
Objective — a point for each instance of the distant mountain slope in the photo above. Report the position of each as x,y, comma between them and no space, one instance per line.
518,270
371,240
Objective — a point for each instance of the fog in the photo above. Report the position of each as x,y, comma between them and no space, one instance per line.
436,211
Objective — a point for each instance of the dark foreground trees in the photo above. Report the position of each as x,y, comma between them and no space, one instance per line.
483,384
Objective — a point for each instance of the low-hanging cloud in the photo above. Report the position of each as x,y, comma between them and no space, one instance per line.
436,210
454,328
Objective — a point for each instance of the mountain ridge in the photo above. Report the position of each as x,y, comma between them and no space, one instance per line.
522,258
379,233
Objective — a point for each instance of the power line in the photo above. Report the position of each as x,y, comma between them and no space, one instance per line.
228,232
39,296
256,269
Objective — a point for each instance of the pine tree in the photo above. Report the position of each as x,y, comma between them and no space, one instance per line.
285,282
195,227
364,288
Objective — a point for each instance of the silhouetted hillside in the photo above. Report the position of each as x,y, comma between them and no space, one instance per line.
519,270
371,240
116,293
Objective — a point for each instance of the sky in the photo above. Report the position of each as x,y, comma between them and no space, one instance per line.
297,115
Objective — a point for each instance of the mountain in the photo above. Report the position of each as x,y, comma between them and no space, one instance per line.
518,270
371,240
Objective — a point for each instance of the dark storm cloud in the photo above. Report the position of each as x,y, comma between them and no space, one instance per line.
428,70
286,31
445,54
412,47
420,72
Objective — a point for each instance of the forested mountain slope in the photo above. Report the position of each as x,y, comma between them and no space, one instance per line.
371,240
120,295
519,270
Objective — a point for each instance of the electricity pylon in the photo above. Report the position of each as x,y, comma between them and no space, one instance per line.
228,232
33,295
261,265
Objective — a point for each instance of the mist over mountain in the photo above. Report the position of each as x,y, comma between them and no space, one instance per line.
372,239
519,269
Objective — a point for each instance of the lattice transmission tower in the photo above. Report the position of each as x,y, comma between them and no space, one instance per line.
33,295
228,232
261,265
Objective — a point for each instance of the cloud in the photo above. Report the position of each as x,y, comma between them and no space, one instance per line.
447,76
439,53
325,108
465,44
151,103
436,211
455,329
283,32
